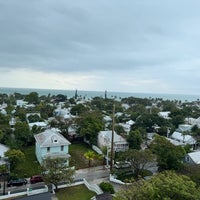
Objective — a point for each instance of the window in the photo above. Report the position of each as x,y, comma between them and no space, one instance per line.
62,148
48,149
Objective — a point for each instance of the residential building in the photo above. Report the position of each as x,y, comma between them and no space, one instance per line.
193,158
21,103
164,114
51,143
105,138
184,128
184,138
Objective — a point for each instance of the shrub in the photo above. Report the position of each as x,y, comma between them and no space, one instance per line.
107,187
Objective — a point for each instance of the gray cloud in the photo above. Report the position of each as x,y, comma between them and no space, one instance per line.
90,35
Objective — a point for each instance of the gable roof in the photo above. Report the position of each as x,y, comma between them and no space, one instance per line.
51,138
188,139
3,149
195,156
108,136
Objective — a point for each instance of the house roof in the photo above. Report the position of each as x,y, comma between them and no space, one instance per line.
188,139
195,156
40,124
104,196
51,137
184,127
108,135
175,142
3,149
107,118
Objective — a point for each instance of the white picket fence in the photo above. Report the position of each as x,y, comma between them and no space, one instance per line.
28,192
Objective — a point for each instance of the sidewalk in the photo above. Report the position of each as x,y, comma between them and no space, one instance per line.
90,169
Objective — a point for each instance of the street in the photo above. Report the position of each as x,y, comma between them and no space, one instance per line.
90,174
94,175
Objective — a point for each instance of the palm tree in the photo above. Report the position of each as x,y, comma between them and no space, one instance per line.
89,155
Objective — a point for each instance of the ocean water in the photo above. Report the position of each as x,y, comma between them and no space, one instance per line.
110,94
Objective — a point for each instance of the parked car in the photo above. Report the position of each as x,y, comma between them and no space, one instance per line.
36,179
17,182
120,165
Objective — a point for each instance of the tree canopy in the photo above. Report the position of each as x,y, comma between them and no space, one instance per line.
169,156
55,170
15,156
164,186
138,159
90,124
135,139
22,134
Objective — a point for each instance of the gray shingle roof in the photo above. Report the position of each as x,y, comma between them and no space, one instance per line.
51,138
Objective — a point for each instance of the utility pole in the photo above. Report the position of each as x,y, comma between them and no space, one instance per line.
112,139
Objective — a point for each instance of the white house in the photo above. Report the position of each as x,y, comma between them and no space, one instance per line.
175,142
193,121
186,139
127,126
51,143
105,138
193,158
38,124
107,118
184,128
164,114
21,103
63,112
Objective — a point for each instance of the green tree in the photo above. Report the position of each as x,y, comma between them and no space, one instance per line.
135,139
60,98
107,187
89,155
169,156
32,98
90,123
22,133
196,130
55,171
21,114
4,120
78,109
45,109
178,119
34,118
138,160
119,130
163,186
15,156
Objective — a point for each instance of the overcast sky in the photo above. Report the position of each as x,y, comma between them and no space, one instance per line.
126,46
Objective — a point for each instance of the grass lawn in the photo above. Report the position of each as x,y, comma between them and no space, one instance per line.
75,193
30,166
77,156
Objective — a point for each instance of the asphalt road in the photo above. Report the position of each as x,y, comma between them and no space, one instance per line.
93,174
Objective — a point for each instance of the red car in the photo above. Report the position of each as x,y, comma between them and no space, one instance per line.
36,179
